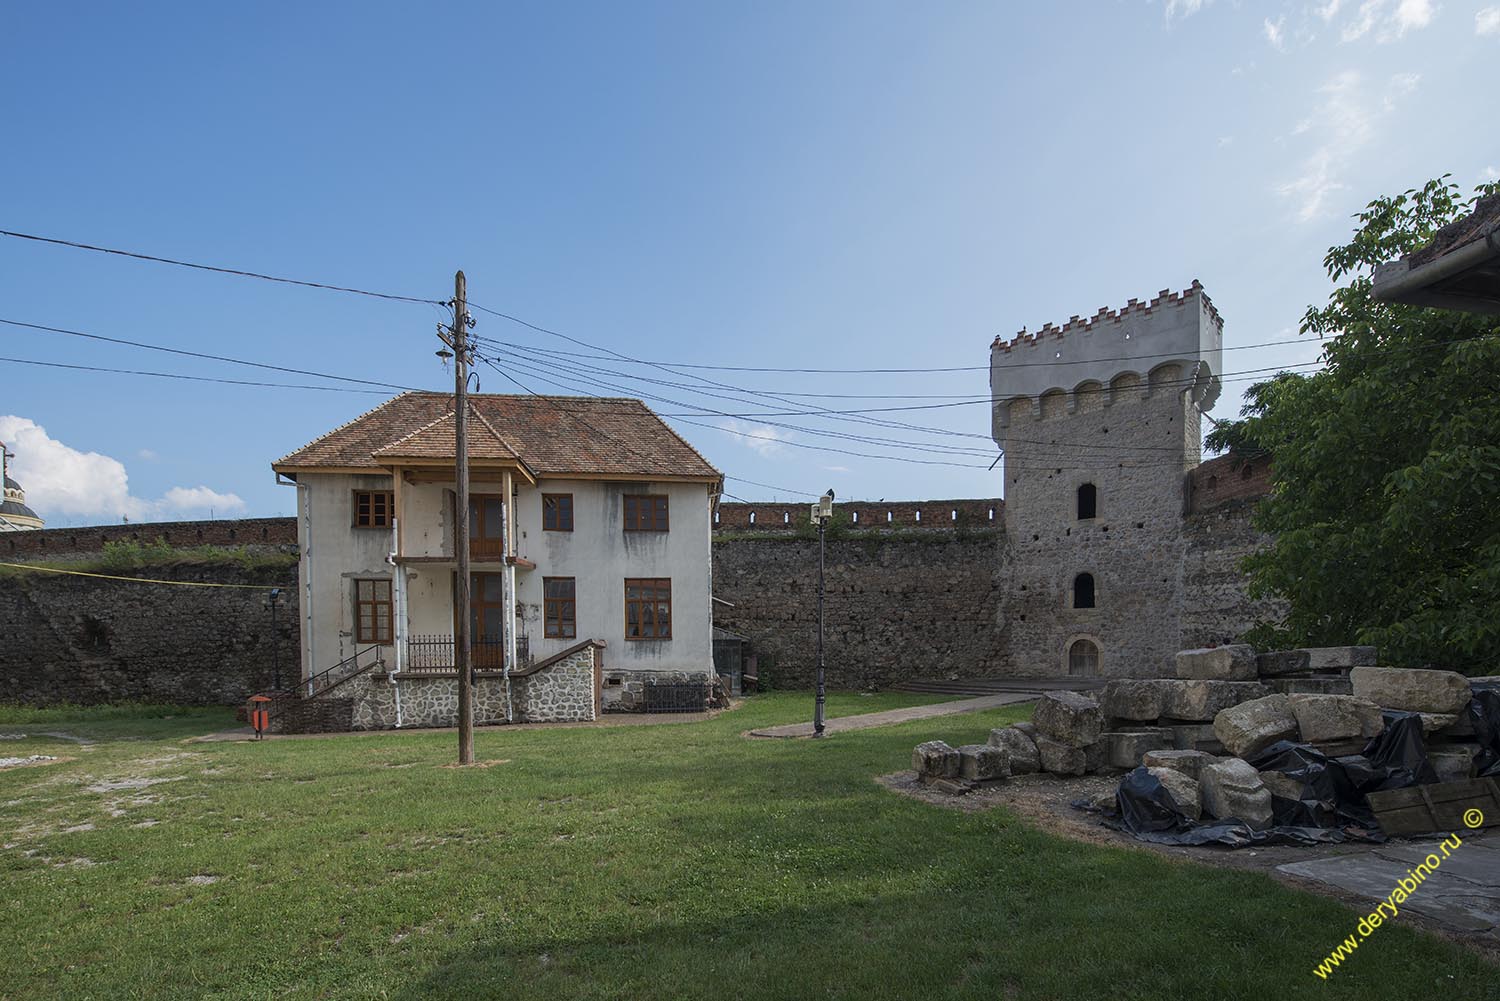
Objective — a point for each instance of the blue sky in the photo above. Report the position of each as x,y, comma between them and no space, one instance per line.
830,185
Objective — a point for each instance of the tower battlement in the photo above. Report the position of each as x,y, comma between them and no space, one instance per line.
1089,354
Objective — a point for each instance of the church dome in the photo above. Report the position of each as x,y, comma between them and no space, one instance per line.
14,514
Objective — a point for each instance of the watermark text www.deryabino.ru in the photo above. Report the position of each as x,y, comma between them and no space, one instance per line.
1404,888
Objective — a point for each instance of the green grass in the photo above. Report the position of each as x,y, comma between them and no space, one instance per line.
128,556
666,861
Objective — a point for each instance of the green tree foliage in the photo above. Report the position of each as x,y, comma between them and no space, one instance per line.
1386,502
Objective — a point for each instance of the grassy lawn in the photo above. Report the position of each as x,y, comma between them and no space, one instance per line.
632,862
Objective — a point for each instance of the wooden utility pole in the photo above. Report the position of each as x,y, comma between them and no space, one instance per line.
462,646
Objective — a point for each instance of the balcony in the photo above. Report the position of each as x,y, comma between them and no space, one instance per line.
434,654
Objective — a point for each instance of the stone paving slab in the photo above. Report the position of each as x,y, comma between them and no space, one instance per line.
891,716
1463,893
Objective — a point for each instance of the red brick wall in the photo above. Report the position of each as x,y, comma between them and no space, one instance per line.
935,514
1227,478
182,534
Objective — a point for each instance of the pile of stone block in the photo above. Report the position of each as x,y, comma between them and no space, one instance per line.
1193,732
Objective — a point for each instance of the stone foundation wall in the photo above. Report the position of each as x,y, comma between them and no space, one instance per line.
625,691
565,692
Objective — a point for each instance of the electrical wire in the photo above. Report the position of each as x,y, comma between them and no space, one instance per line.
224,271
209,357
193,378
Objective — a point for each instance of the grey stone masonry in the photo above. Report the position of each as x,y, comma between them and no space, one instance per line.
1068,718
1235,662
1334,717
1182,787
1411,690
1188,762
982,762
1138,700
1019,747
1125,750
1232,789
1203,700
1325,658
935,759
1061,759
1253,726
1279,662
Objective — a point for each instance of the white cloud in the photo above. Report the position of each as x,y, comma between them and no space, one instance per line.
200,499
61,481
1184,8
1225,141
1492,174
837,469
1328,10
148,455
1487,21
1274,32
1388,22
1400,85
761,438
1344,125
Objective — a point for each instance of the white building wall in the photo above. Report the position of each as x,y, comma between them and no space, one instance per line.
598,553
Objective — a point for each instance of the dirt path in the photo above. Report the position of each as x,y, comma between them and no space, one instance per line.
889,716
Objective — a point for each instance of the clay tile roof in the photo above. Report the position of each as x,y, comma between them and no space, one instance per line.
435,441
552,435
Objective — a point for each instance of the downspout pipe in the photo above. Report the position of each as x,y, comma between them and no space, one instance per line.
398,586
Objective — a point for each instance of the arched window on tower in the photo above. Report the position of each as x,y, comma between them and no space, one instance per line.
1083,591
1088,501
1083,658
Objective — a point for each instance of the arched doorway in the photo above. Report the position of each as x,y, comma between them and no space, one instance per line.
1083,658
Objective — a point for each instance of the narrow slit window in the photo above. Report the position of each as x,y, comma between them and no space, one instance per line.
1083,591
1088,502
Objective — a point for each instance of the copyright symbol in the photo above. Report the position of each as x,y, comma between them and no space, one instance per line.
1473,818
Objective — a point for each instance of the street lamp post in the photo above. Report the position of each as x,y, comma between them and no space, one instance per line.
822,511
275,645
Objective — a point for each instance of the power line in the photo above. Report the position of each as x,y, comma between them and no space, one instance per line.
224,271
209,357
193,378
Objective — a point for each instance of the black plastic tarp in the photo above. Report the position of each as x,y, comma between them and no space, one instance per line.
1484,716
1330,805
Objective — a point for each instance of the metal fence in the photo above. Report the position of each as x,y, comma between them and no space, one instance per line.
434,654
676,697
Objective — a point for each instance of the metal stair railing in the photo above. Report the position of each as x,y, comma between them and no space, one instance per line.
341,672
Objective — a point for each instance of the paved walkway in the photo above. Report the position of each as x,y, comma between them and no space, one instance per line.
890,716
1463,893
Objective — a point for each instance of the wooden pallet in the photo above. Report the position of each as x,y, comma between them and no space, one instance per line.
1429,809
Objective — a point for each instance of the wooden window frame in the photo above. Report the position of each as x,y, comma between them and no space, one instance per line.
374,604
368,519
658,586
556,500
563,606
647,520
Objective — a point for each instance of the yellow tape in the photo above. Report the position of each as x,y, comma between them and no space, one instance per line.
140,580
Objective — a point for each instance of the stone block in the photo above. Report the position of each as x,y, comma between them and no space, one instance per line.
1231,789
1281,784
1068,718
935,759
1411,689
1196,737
1183,789
1059,758
1447,725
1201,701
1131,699
1187,762
1020,748
1269,665
1324,658
1104,802
1254,726
981,762
1452,762
1027,727
1125,750
1235,662
1323,684
1334,717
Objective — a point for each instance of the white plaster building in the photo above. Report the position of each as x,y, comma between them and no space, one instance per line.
605,515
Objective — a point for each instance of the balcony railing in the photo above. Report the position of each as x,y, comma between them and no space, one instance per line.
434,654
486,550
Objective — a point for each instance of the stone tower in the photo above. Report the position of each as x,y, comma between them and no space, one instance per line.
1099,422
